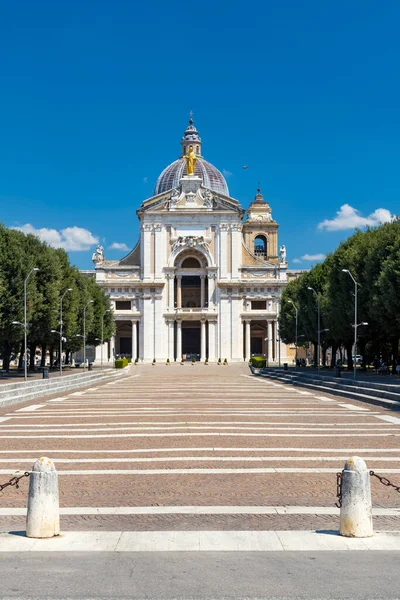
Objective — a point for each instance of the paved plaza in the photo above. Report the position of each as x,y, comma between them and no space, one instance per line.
189,448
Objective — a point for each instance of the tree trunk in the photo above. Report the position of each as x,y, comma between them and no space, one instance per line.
32,357
395,354
324,356
43,359
349,352
333,357
361,345
6,357
315,345
51,357
21,355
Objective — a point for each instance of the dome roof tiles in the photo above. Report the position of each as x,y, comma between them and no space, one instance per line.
211,177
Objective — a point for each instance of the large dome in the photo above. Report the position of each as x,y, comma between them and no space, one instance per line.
212,178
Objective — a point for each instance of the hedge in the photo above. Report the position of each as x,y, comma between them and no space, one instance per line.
121,363
258,362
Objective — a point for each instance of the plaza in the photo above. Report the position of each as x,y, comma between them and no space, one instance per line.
198,448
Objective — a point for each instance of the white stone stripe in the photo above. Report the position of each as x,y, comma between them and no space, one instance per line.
163,427
2,419
200,510
352,407
389,418
283,449
30,408
168,459
198,541
100,415
197,434
23,426
198,471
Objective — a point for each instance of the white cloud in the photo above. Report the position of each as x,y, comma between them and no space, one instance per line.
119,246
70,238
349,218
296,260
226,173
145,179
313,257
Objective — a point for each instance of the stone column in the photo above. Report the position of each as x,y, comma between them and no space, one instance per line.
179,340
179,291
212,326
202,291
171,340
248,340
211,286
112,348
134,340
270,340
170,292
202,340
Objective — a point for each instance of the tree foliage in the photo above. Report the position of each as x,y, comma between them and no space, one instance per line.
19,253
373,258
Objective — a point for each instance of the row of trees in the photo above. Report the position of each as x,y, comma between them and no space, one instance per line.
373,258
19,253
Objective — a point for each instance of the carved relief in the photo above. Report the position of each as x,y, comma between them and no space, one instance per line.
190,241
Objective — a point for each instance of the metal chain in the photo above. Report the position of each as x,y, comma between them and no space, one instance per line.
339,489
385,481
14,481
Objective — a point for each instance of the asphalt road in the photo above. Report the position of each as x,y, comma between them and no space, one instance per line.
272,575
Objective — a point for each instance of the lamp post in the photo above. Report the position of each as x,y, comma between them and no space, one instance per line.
102,334
25,325
356,325
84,333
297,316
61,326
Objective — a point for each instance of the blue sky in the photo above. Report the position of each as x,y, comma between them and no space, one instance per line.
95,96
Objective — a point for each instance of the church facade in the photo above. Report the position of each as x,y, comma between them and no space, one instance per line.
205,278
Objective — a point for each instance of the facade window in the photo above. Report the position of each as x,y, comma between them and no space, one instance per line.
258,305
123,305
260,246
184,149
191,263
197,150
113,290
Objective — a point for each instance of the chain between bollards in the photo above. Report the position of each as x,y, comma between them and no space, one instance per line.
385,481
14,481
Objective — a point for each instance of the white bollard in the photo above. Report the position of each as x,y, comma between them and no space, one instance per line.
43,516
356,509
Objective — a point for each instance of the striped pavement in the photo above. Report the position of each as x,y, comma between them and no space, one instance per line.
198,448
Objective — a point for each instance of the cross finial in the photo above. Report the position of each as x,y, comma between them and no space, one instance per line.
191,115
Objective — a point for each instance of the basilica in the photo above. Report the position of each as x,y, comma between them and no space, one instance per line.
205,277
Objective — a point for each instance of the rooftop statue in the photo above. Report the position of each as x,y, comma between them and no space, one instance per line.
98,256
190,161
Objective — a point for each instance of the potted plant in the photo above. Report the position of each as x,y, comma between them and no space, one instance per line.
154,362
136,361
168,363
225,362
182,361
193,360
206,361
219,362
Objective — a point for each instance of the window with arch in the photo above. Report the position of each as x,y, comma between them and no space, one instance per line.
191,263
184,149
197,149
260,246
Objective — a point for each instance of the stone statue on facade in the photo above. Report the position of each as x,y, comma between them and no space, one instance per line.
190,241
98,256
190,161
282,254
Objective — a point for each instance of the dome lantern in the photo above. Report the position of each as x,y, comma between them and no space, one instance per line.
191,138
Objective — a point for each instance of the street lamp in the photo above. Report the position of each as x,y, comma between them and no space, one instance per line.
24,324
61,326
102,333
356,325
84,333
297,315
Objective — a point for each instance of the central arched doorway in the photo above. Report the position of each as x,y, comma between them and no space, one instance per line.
191,339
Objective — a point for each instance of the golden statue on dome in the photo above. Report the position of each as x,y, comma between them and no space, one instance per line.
190,161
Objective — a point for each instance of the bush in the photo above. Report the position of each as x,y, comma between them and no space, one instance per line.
121,363
193,359
136,361
259,362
